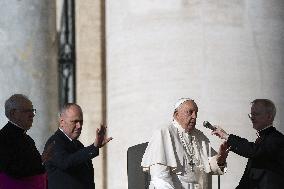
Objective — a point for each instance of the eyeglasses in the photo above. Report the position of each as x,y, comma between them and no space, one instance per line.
28,111
250,115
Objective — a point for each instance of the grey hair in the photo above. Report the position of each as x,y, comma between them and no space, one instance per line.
268,104
65,107
13,103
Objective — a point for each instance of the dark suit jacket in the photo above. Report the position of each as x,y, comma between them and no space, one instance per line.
70,165
265,167
19,156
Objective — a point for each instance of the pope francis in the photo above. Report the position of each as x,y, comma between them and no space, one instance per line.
180,156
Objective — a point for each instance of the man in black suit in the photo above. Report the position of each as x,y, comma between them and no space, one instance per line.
20,160
265,167
70,165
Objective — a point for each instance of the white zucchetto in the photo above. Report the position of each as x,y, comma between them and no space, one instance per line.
180,101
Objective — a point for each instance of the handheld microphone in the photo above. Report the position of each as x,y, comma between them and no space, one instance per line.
209,126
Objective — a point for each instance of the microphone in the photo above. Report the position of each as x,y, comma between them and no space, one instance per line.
208,125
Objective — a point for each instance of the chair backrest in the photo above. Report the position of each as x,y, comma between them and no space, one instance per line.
137,179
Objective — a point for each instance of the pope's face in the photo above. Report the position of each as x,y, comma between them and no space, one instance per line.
71,122
186,115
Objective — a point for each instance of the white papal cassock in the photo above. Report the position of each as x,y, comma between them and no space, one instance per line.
178,160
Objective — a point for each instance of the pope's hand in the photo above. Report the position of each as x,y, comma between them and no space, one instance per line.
223,153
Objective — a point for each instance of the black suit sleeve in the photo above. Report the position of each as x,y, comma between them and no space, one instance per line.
265,149
64,157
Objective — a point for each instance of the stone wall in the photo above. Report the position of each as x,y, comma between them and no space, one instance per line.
223,54
28,51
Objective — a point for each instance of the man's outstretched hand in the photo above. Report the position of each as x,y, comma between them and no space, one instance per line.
221,133
101,138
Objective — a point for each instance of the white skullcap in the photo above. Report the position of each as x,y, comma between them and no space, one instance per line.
180,101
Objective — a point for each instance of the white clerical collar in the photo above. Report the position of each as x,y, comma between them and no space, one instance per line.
265,128
178,126
17,125
65,134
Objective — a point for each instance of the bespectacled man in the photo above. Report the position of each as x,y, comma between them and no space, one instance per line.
265,167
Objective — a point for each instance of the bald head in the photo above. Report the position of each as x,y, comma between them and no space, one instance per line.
71,120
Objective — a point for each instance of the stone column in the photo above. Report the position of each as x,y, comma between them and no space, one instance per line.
90,76
28,60
223,54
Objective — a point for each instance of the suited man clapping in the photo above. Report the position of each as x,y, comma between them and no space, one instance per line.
68,162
